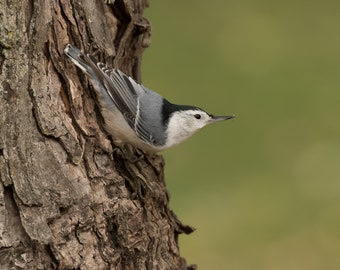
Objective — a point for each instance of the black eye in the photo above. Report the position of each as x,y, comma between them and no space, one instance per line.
197,116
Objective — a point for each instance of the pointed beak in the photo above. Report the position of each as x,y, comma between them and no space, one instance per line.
215,118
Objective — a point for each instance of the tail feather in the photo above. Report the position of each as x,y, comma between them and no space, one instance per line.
95,74
80,59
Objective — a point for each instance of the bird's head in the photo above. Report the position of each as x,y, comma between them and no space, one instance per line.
183,123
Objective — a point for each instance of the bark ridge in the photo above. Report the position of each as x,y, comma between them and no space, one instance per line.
68,198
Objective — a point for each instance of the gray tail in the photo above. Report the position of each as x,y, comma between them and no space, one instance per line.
80,59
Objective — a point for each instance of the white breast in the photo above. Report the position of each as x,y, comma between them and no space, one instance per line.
181,126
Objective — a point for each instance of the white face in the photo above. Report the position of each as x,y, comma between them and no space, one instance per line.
184,124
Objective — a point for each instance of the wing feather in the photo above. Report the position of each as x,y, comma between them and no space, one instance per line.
124,91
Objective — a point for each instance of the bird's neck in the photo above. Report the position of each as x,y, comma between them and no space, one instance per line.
178,130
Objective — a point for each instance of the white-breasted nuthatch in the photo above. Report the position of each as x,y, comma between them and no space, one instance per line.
136,115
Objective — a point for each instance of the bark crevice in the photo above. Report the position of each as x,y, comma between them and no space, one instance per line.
69,198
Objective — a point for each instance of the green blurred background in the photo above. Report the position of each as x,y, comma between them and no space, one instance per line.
263,190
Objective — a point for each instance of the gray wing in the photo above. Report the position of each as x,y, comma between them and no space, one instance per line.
126,94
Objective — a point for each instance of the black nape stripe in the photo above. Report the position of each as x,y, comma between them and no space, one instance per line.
168,109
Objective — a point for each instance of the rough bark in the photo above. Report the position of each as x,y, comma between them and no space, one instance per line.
68,197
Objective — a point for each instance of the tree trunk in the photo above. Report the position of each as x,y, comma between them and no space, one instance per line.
68,198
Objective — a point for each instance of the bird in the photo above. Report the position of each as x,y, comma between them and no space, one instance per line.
136,115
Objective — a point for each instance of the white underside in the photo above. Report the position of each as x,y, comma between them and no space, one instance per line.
117,126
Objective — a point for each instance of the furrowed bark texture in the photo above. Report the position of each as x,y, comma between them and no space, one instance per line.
68,198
